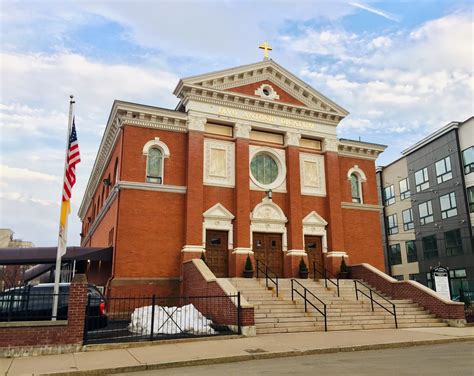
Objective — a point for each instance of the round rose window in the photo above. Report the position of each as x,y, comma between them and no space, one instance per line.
264,169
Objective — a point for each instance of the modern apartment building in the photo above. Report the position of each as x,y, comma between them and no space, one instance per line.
428,200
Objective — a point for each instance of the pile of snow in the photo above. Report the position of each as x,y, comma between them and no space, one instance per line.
170,320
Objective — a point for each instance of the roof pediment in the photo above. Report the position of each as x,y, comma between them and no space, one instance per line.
247,80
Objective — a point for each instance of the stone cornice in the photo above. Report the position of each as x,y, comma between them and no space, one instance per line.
133,114
354,205
249,103
270,70
359,149
151,187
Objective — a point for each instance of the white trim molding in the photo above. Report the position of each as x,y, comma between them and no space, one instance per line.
272,94
152,187
218,218
159,144
268,217
357,206
314,224
358,171
219,163
312,174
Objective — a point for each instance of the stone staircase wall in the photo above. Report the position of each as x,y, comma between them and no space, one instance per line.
451,312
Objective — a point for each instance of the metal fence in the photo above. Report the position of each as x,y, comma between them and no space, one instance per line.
26,304
467,297
148,318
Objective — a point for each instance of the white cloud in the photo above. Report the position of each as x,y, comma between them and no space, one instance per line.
376,11
23,174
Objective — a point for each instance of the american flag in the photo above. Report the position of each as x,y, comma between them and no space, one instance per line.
73,158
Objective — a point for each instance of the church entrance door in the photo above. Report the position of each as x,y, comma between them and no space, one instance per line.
314,250
268,249
217,252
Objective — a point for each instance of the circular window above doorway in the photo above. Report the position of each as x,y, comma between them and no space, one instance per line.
266,169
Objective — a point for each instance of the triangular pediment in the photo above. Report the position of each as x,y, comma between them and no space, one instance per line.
218,211
314,219
248,79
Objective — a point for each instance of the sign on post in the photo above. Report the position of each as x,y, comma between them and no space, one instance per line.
441,280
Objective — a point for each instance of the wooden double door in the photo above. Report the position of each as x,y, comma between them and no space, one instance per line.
268,249
314,249
217,252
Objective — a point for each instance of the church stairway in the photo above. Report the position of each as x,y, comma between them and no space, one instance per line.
282,315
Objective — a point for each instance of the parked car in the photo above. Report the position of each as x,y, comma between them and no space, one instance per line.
35,303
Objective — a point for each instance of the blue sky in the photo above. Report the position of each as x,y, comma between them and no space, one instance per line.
401,68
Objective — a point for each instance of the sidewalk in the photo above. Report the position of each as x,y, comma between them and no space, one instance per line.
167,355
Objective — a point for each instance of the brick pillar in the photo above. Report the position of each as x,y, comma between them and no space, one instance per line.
195,190
242,246
76,313
294,225
336,248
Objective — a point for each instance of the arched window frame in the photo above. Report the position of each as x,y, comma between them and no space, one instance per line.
361,178
165,153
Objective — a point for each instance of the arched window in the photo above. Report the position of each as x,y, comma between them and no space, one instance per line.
356,177
155,151
154,166
116,171
356,188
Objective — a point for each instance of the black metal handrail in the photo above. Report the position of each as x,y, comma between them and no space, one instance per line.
372,300
324,273
262,267
306,301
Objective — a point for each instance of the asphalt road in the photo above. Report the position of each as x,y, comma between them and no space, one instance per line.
444,360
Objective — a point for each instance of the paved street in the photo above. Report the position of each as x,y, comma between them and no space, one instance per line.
449,359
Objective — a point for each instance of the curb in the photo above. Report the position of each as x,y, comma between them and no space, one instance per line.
261,356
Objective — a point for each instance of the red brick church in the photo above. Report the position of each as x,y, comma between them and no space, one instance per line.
247,164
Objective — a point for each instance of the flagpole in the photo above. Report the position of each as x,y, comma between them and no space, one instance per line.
62,235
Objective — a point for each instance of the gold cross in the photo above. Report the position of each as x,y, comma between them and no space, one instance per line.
266,47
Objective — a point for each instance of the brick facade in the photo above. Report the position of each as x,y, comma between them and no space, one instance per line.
155,228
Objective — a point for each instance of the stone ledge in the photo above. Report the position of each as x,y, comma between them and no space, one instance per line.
24,324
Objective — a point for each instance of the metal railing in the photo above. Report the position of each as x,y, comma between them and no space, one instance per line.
263,268
372,300
23,304
147,318
324,273
304,295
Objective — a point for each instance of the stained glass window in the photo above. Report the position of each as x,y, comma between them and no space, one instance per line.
264,168
154,166
355,188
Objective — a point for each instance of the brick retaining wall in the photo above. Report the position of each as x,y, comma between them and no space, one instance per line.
39,337
198,280
452,312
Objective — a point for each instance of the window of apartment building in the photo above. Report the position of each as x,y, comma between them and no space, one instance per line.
392,224
448,205
414,277
453,242
458,281
468,160
443,170
395,254
389,195
470,199
426,212
404,189
430,247
422,180
410,246
407,216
